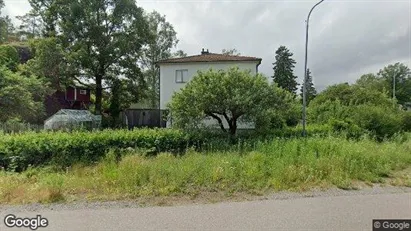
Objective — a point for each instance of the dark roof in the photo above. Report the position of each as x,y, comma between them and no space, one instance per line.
209,57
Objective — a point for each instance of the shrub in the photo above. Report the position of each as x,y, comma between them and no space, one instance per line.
19,151
381,122
347,127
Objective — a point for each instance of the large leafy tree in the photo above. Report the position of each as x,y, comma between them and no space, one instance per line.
49,11
162,39
283,70
6,26
311,92
102,39
223,96
30,24
20,96
48,62
400,72
372,81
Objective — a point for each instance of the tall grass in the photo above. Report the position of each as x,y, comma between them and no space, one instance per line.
279,164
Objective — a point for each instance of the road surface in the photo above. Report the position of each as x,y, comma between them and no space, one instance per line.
353,212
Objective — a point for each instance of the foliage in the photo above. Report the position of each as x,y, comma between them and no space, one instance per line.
6,26
9,57
310,93
224,96
120,99
24,51
65,149
179,54
162,39
230,52
353,95
48,62
402,76
30,24
20,96
382,123
102,40
286,112
48,10
354,108
283,70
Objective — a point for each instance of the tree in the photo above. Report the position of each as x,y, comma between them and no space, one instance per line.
6,26
102,39
310,89
9,57
31,24
230,52
372,81
162,39
179,54
48,62
402,79
20,97
48,10
283,70
224,96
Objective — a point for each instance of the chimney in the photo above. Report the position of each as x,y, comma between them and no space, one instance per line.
203,52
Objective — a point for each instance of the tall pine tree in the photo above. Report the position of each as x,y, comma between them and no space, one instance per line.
310,89
283,70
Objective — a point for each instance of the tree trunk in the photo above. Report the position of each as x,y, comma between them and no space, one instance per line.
233,127
99,90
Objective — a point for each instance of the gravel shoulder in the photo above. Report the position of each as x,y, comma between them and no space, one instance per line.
205,198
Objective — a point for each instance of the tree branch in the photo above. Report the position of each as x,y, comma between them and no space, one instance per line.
220,122
82,83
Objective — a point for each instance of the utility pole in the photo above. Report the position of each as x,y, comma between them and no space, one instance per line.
305,70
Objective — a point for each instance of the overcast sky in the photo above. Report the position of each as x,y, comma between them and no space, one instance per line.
347,37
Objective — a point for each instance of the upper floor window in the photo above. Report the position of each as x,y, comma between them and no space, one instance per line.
83,92
181,76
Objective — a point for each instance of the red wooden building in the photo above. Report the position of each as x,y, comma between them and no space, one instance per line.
74,97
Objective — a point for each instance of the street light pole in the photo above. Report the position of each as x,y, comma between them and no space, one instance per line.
305,69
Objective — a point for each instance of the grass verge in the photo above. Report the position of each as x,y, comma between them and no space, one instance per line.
281,164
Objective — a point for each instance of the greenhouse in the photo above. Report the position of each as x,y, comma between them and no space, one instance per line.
67,118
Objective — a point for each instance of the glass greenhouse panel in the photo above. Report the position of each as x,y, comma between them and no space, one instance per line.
67,118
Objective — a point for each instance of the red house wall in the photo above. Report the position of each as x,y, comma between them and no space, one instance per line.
73,94
70,94
83,98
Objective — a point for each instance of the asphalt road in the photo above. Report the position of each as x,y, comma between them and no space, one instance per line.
354,212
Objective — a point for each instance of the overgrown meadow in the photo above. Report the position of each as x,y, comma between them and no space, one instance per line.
162,163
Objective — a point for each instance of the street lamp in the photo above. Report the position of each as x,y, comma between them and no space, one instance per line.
305,69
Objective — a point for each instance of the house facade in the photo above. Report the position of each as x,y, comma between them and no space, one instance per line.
176,72
73,97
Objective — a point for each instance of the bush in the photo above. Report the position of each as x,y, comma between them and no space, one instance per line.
19,151
380,122
406,121
347,127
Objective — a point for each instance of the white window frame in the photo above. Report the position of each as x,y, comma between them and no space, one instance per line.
83,92
180,73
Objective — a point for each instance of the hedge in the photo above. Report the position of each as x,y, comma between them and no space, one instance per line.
18,151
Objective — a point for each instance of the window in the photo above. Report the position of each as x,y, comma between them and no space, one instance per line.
181,76
83,92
